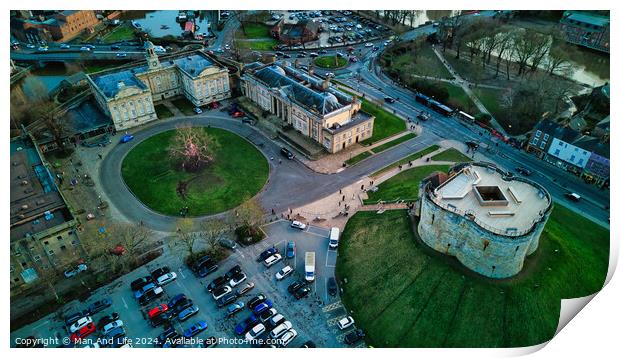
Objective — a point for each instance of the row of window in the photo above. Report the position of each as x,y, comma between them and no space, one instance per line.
129,110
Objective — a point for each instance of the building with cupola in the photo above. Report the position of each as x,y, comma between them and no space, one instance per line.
127,94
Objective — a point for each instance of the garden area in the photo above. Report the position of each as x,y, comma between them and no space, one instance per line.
386,124
330,62
162,111
416,58
392,143
404,294
234,172
407,159
254,36
122,32
184,105
451,155
405,185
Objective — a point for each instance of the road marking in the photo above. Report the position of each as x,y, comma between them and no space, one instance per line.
327,257
332,306
124,302
181,273
42,324
325,280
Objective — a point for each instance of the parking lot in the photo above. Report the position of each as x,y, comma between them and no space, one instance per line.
313,317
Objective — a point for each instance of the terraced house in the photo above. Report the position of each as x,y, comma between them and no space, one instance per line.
311,105
127,94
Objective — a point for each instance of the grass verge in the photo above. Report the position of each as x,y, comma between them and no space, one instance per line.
404,185
407,159
358,158
451,155
390,144
330,62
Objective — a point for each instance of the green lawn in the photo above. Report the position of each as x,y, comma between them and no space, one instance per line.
386,124
238,172
358,158
451,155
426,63
403,294
410,157
260,45
254,31
162,111
403,186
459,99
330,62
390,144
120,33
184,106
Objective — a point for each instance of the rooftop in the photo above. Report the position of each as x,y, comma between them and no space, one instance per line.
588,18
36,204
503,206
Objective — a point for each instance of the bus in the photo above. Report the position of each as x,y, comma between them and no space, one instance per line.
309,266
466,117
334,236
440,108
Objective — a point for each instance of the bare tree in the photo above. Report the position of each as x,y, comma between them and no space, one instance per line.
504,41
193,147
212,230
249,213
132,237
186,237
558,61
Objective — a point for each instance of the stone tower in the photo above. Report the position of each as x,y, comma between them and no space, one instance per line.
151,56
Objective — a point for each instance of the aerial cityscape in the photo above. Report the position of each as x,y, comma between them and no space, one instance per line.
305,178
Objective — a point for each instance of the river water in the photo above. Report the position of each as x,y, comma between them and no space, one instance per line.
152,21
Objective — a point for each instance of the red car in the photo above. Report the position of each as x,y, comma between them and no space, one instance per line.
82,332
238,114
118,250
214,105
156,311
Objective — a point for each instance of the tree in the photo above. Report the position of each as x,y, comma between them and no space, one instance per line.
558,60
192,147
186,238
132,237
211,231
250,213
504,42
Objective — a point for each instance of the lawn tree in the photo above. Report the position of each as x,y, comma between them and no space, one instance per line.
504,41
192,148
134,238
48,277
543,44
250,213
186,237
558,61
212,230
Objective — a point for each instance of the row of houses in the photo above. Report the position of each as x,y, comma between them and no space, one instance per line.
583,155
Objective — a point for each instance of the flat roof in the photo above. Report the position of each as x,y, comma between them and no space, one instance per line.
589,18
521,209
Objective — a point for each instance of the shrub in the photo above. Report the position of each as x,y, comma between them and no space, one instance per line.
247,234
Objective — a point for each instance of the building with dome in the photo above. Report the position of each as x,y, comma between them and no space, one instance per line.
127,93
311,105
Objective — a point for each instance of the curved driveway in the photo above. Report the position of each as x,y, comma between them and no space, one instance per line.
291,184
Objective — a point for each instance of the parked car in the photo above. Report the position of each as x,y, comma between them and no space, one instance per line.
314,54
141,282
280,330
255,332
354,337
221,291
144,289
265,254
237,279
226,299
284,272
287,153
177,300
65,46
265,305
160,319
83,332
103,321
332,287
195,329
80,323
110,326
249,121
43,48
157,310
85,49
234,308
255,301
169,334
158,272
71,318
301,293
290,249
287,337
115,47
266,315
275,320
99,306
217,282
389,100
181,306
79,268
238,114
188,312
573,196
150,295
233,271
369,44
116,332
227,243
243,326
126,138
272,260
345,322
166,278
296,285
121,55
298,225
197,110
245,288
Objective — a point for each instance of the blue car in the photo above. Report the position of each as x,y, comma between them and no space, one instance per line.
177,299
195,329
234,308
126,138
141,291
188,312
262,307
245,325
290,250
99,306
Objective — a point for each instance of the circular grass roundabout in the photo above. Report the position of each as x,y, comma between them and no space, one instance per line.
237,172
330,62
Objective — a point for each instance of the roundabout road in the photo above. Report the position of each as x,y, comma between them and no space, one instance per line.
291,184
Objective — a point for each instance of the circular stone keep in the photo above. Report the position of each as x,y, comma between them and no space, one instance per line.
237,172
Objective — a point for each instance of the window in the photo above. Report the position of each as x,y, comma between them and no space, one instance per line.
557,152
63,248
542,144
75,243
24,265
535,141
59,238
51,252
572,158
37,258
580,161
546,137
538,133
46,242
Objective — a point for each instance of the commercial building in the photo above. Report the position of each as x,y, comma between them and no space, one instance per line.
543,135
127,94
586,29
55,26
43,236
309,104
489,220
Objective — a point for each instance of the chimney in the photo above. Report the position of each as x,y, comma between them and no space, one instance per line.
311,70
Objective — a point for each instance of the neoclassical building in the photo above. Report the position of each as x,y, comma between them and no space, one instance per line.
127,94
310,104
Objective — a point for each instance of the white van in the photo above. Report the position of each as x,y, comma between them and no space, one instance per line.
334,236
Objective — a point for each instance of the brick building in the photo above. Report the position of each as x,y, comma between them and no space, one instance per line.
586,29
57,26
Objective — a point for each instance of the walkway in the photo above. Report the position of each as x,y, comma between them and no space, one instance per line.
466,86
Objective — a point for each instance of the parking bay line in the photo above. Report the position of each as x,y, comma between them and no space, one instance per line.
124,302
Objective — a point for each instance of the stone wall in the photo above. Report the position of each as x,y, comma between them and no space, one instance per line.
478,249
